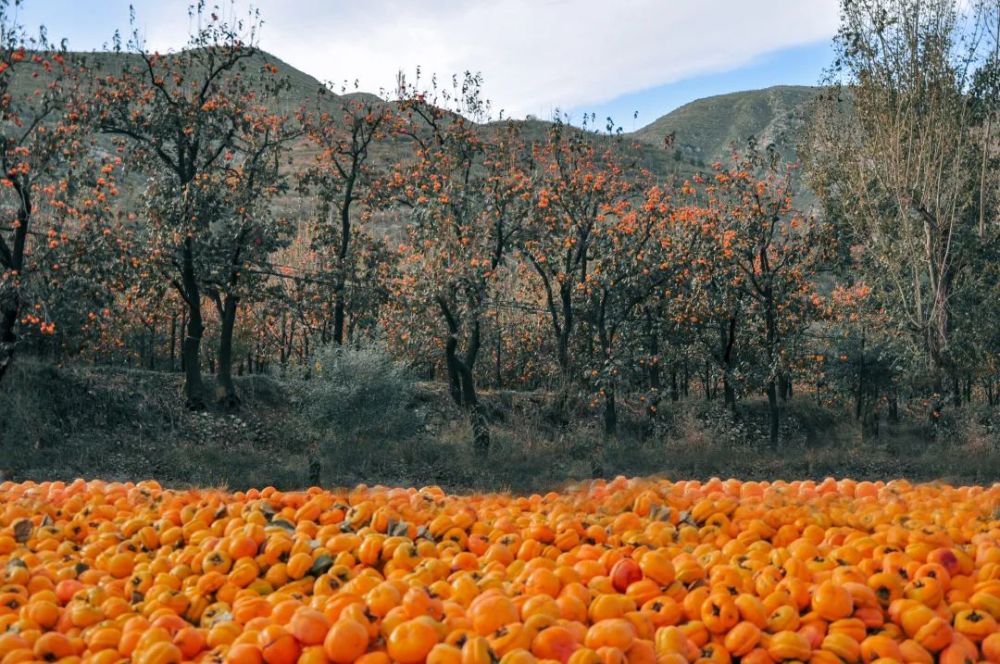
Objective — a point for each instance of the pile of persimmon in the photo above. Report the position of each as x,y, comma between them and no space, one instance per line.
622,571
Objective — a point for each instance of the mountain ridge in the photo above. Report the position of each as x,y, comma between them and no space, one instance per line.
703,130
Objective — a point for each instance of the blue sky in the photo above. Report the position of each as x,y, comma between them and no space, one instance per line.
536,56
802,65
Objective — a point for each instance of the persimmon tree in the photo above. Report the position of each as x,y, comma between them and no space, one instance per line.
197,123
89,259
340,176
49,195
466,194
578,179
250,231
768,255
668,322
628,265
713,308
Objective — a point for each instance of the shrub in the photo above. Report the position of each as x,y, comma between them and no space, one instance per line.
359,395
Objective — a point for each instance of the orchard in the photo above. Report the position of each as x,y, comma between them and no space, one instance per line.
633,571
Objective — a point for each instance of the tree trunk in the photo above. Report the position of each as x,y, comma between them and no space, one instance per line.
784,386
566,331
282,355
173,343
772,412
183,328
8,340
655,383
772,361
191,350
597,458
480,428
610,413
893,407
12,258
152,346
340,288
728,342
859,399
869,425
451,363
191,357
315,469
563,355
468,398
226,389
338,318
497,365
462,380
675,394
728,393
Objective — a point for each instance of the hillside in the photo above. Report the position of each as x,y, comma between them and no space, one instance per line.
704,129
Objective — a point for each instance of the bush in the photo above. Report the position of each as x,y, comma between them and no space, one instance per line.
359,395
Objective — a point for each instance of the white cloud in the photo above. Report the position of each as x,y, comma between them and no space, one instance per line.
535,55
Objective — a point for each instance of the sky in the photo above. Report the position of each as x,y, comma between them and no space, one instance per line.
537,57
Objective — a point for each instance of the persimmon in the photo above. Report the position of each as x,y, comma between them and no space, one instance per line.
759,592
190,641
161,652
309,626
788,645
991,647
624,573
742,638
411,641
832,602
244,653
611,632
975,625
556,642
278,646
45,613
491,612
444,653
345,641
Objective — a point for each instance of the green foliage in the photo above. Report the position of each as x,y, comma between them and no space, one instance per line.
917,210
359,395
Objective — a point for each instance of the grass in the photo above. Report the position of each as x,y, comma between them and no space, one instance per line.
122,424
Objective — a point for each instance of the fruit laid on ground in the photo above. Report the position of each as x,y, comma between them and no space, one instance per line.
629,571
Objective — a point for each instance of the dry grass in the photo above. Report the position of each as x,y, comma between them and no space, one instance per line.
60,424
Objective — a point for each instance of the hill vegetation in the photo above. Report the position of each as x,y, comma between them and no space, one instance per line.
705,130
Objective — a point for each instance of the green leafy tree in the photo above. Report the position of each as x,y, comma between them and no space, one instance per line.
900,149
